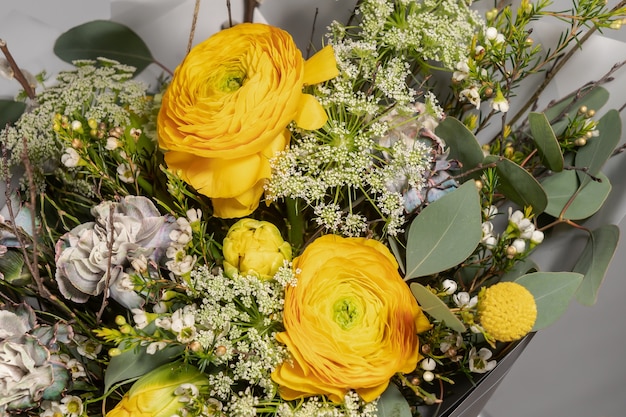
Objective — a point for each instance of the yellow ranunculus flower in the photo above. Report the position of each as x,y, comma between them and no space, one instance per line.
153,395
226,110
254,247
351,322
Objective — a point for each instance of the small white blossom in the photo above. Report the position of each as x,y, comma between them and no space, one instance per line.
537,237
449,286
464,301
472,95
126,173
479,362
70,158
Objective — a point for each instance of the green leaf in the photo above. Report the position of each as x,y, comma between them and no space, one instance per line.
103,38
594,262
134,363
520,268
13,268
547,143
434,307
553,292
10,112
518,185
463,145
445,233
593,98
595,153
587,200
392,403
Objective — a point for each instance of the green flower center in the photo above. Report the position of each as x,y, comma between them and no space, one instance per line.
232,81
347,313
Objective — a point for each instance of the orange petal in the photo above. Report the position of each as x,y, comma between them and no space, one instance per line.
320,67
311,115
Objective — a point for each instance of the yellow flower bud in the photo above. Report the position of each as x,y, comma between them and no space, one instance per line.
507,311
153,395
255,248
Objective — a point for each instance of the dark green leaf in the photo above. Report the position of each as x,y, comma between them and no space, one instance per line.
553,292
13,268
518,185
103,38
594,262
593,98
547,144
435,308
393,404
445,233
587,200
134,363
10,112
595,153
464,146
520,268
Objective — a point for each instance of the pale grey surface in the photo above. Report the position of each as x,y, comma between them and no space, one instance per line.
576,368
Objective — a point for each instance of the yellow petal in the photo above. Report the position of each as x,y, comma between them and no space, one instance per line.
311,115
238,206
320,67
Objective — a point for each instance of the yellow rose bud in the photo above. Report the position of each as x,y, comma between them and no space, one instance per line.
226,111
351,321
254,247
153,395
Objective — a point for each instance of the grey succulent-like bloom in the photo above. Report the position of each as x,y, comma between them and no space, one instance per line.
92,252
28,374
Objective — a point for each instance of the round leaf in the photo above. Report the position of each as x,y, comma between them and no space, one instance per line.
594,262
593,97
463,145
547,144
103,38
585,200
518,185
553,292
10,112
393,404
445,233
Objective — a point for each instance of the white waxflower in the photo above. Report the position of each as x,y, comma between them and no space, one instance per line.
449,286
462,71
472,95
519,245
523,225
463,300
479,361
112,143
125,173
140,317
428,364
73,406
70,158
183,324
537,237
500,103
154,347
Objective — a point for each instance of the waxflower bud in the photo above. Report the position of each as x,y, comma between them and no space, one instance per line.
155,393
449,286
255,248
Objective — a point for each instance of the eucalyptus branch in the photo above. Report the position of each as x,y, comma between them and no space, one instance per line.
551,74
248,10
17,72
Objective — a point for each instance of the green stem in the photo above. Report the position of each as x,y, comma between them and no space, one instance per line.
295,224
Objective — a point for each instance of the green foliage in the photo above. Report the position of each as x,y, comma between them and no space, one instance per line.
464,146
553,292
10,111
594,262
393,404
445,233
103,38
568,199
435,308
545,139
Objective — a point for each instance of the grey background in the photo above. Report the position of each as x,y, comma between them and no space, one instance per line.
576,368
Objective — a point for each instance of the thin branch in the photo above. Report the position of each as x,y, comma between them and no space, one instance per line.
248,10
194,21
17,72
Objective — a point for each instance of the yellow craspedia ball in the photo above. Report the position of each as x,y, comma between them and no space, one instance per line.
507,311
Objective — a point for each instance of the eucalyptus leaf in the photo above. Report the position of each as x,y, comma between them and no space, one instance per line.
103,38
10,112
13,268
598,149
594,262
545,139
463,145
134,363
593,97
393,404
518,185
585,200
445,233
521,267
434,307
553,292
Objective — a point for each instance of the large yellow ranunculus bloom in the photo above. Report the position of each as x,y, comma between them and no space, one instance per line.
225,113
351,322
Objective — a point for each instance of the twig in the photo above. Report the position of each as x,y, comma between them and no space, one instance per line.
308,48
17,72
194,21
248,10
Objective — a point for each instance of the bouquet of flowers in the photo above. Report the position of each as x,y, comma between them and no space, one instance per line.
263,233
